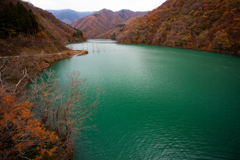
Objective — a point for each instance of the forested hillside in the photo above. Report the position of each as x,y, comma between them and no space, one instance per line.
211,25
25,29
102,21
114,32
31,39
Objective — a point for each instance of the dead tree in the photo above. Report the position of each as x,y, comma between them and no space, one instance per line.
64,108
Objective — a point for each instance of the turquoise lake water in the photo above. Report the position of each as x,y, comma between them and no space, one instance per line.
159,102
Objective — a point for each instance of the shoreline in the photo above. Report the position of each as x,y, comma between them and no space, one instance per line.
204,50
64,154
47,62
31,65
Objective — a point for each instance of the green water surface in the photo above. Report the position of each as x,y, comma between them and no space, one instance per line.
159,102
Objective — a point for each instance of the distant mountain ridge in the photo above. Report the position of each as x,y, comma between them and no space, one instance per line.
104,20
68,15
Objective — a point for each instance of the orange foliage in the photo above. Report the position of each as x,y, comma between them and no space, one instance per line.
20,131
196,24
42,34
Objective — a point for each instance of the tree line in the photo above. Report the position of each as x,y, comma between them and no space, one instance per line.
16,19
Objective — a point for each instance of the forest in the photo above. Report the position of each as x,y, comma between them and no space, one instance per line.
30,40
209,25
16,19
30,30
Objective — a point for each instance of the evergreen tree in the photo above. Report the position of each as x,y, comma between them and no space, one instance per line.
16,19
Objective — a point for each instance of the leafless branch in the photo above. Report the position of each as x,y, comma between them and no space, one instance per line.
24,75
63,108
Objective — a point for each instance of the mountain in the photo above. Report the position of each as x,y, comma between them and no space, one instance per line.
210,25
127,14
68,15
102,21
115,31
28,29
67,21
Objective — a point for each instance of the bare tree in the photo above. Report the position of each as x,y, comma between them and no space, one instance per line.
20,132
13,75
64,108
61,108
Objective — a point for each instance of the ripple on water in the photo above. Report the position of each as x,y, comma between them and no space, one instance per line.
159,103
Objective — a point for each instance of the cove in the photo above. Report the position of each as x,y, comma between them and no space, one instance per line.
159,102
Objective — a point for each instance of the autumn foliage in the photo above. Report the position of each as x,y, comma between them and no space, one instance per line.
211,25
41,123
112,33
26,29
22,135
103,21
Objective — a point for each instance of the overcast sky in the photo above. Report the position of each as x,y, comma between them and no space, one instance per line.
96,5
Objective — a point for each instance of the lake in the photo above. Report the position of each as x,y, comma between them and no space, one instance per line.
159,102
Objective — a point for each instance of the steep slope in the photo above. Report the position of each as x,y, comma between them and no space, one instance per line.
103,21
98,23
68,15
211,25
114,32
18,34
29,36
127,14
31,39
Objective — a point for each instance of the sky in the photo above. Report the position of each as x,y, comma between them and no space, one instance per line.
96,5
